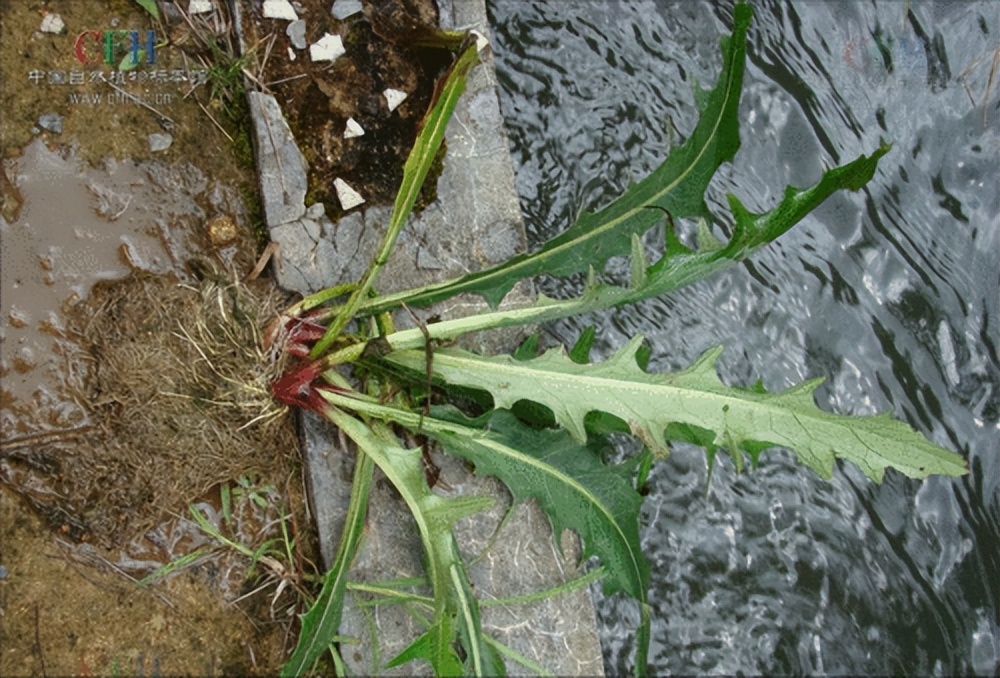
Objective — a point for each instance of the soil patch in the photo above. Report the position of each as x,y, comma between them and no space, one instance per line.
179,419
132,405
178,401
319,97
68,610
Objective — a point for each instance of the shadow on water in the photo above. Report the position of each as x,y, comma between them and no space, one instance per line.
889,293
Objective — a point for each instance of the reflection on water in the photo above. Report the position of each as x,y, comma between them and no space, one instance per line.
889,293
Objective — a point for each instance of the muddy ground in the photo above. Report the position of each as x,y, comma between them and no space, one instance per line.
134,386
318,98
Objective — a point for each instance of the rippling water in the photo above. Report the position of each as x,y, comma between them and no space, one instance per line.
890,293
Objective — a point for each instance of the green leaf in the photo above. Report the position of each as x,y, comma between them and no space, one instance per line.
149,6
650,403
128,62
321,622
677,186
679,266
456,620
569,479
580,353
573,485
435,646
418,163
528,348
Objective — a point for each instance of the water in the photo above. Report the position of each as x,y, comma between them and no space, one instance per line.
106,221
890,293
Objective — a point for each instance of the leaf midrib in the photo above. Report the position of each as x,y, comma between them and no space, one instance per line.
608,225
571,482
751,405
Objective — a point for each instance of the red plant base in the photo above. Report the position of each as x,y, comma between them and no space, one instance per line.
300,385
298,388
301,335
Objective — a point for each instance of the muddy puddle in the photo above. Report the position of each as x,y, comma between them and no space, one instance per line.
76,225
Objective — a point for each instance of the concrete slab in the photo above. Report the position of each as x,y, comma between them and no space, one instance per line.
475,222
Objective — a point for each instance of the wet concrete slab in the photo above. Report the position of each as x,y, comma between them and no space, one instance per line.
474,223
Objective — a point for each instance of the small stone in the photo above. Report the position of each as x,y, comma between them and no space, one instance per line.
18,318
159,142
349,198
4,573
394,97
279,9
482,42
296,32
51,122
353,129
291,54
316,211
200,6
344,8
327,48
52,23
222,231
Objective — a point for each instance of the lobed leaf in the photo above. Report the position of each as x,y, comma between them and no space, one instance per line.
747,419
456,620
574,486
679,266
570,481
677,186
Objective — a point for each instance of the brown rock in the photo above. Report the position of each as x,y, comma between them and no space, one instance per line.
222,231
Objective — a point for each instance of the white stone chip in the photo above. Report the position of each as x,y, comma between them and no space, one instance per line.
344,8
52,23
353,129
315,211
160,142
482,42
200,6
279,9
327,48
291,54
296,32
349,198
394,98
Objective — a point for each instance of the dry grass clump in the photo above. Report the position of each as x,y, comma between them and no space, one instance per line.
179,385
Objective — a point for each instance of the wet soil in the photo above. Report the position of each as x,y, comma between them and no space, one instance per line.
69,610
109,219
176,400
319,97
132,382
